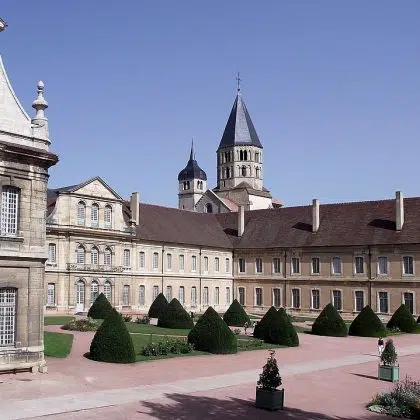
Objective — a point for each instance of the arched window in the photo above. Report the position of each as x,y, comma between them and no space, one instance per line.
107,257
241,155
81,213
227,173
188,185
9,211
257,157
80,255
108,290
94,256
257,172
94,215
8,301
245,155
209,208
94,291
108,216
243,171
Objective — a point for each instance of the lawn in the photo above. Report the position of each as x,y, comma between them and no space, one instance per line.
57,320
57,344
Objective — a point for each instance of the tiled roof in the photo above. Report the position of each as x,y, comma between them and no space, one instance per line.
231,205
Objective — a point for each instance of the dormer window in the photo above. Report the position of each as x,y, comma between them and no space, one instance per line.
108,216
95,215
9,211
81,213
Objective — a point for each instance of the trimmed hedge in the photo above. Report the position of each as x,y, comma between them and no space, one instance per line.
329,323
281,331
236,316
100,309
158,306
175,316
403,319
112,342
213,335
259,329
367,324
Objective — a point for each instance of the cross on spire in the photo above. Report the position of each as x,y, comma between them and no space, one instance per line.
239,80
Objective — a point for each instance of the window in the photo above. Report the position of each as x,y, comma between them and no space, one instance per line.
315,265
408,267
94,215
295,265
108,216
216,296
155,292
181,295
228,295
193,297
52,253
258,265
126,259
81,213
209,208
217,264
126,295
142,260
94,291
94,256
155,261
258,296
9,211
382,265
168,293
409,301
359,265
8,298
359,300
315,299
295,298
181,263
336,265
241,265
241,293
276,298
108,290
337,303
107,257
205,296
80,255
206,264
276,265
51,294
243,171
193,263
383,302
169,261
227,265
142,295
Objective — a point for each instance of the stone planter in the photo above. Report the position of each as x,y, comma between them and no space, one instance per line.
270,400
388,373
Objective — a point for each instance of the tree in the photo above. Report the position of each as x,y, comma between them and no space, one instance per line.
329,323
270,378
235,316
158,306
281,331
367,324
100,308
403,320
175,316
389,355
260,327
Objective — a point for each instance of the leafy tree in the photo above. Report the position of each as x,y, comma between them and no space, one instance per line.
270,378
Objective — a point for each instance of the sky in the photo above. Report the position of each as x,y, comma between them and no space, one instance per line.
332,87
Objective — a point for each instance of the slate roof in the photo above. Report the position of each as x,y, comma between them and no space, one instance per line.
192,170
239,128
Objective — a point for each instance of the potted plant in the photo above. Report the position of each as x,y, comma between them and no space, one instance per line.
388,370
267,394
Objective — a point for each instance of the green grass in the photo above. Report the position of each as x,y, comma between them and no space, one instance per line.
57,320
57,344
153,329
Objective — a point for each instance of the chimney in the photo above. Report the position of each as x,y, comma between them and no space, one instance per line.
134,207
241,220
315,215
399,210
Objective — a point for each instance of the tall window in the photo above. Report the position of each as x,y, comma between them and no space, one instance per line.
142,260
217,296
276,298
359,300
193,263
382,265
276,265
8,298
155,261
80,255
258,265
94,291
217,264
315,265
227,265
169,261
142,295
241,293
94,215
337,302
336,265
383,302
181,295
206,264
126,295
409,301
359,265
155,292
193,297
51,294
228,295
126,258
108,216
168,293
408,265
258,296
315,299
9,211
52,255
94,256
295,298
107,257
241,265
108,290
81,213
181,263
205,296
295,265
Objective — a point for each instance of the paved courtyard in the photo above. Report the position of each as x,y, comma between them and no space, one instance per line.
324,378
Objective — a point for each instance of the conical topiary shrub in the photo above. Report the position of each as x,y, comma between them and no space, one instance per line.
367,324
175,316
259,329
281,331
158,306
101,308
403,319
213,335
235,316
329,323
112,342
418,320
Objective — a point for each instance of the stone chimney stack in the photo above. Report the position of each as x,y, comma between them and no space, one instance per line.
399,210
135,210
315,215
241,220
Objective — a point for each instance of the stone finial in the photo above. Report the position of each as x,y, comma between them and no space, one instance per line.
40,104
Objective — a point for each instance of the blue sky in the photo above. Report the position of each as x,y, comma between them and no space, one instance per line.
333,89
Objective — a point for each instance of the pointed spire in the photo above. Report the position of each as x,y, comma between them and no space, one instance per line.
192,170
192,154
40,104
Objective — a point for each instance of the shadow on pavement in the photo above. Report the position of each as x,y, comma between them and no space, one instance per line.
365,376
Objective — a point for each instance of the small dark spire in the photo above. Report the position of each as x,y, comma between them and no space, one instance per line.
192,170
192,154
